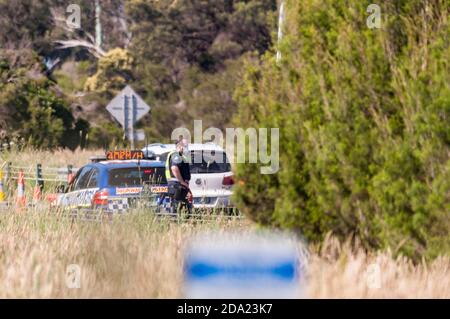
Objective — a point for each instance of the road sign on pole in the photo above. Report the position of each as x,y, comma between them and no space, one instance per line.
128,108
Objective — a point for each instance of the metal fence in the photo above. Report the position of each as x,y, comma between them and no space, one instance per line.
38,172
46,178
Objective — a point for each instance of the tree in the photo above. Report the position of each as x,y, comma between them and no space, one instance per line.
178,55
113,73
188,56
30,105
363,117
25,25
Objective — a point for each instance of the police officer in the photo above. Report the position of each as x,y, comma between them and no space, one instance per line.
178,173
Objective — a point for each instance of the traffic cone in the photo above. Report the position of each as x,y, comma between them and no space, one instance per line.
2,192
21,200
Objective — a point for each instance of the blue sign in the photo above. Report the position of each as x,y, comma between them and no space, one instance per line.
232,266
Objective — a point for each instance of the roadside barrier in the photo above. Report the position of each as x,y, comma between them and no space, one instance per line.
38,183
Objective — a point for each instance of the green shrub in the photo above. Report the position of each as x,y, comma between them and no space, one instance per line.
106,135
31,107
364,126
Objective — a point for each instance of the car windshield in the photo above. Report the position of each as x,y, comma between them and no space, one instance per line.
135,176
203,162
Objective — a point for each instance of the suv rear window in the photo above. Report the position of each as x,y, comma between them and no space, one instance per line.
208,163
134,176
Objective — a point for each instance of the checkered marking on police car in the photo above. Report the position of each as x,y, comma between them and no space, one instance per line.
119,205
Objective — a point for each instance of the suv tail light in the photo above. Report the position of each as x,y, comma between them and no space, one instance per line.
228,180
100,198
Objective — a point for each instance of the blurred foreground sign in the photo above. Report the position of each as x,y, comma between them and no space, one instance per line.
236,266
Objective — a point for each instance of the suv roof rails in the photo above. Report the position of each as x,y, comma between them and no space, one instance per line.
156,144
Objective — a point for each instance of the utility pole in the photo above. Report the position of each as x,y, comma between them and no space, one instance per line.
280,29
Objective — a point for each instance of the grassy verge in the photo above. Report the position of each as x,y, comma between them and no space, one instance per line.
140,256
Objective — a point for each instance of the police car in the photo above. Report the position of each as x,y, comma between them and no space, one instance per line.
211,179
114,184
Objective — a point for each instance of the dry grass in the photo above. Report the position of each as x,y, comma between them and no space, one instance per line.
142,257
134,257
59,158
340,271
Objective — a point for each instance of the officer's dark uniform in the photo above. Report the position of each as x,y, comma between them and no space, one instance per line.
176,159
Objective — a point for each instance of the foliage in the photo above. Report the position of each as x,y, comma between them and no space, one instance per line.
106,135
183,57
30,105
363,117
189,54
25,24
113,72
72,76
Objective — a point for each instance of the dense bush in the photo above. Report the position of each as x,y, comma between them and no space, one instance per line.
364,126
113,73
31,108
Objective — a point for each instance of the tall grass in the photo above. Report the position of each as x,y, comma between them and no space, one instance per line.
139,256
133,257
58,158
342,271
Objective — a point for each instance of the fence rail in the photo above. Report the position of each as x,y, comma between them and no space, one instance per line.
50,174
31,180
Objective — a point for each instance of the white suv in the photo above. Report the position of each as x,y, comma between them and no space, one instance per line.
211,181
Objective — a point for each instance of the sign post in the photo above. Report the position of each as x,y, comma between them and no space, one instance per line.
128,108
